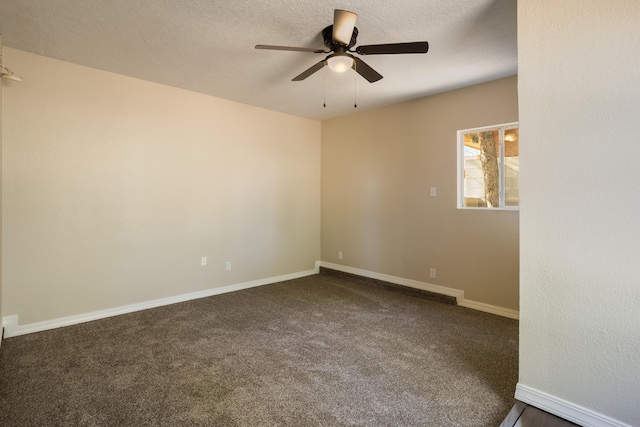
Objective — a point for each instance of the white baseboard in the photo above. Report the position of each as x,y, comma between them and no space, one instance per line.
488,308
457,293
567,410
12,328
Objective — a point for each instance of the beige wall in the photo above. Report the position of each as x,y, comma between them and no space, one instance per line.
580,254
114,188
377,167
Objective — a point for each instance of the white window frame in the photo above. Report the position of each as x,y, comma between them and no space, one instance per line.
460,169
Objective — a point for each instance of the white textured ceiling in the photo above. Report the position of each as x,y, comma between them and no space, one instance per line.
207,46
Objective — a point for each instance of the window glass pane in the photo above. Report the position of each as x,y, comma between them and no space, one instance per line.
511,168
481,172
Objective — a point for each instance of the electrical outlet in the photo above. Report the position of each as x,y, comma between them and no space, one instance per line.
432,191
339,255
227,266
203,261
432,273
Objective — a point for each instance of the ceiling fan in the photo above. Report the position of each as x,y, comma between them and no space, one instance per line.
340,38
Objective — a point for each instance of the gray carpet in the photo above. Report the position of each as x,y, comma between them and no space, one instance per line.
318,351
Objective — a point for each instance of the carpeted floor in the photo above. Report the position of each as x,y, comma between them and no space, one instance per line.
323,350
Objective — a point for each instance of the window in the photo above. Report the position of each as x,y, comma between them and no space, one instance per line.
488,167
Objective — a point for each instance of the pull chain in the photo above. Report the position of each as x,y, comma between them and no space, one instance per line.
324,100
355,92
355,83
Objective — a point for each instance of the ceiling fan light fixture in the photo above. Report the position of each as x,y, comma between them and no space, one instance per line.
340,63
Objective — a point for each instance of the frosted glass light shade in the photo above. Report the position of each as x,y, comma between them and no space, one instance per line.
340,64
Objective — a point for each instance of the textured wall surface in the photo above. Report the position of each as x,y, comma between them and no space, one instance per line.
579,95
114,188
377,168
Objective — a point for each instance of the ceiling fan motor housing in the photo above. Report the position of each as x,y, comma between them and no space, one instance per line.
327,35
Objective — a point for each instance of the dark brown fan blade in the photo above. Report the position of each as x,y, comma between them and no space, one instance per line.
310,71
365,71
393,48
297,49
